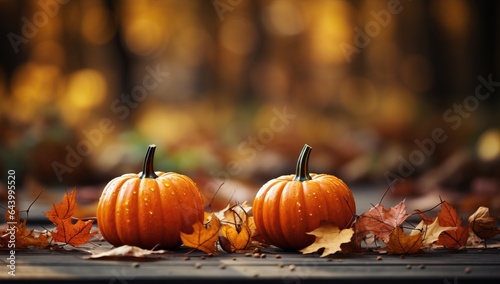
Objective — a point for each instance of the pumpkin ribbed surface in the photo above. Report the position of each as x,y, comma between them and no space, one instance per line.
286,208
148,212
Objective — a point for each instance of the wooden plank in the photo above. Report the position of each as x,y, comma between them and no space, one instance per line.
439,266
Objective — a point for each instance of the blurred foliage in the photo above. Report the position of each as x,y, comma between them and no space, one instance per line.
231,65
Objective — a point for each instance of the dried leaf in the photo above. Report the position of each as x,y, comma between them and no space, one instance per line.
66,232
63,210
330,237
24,238
204,236
430,232
126,252
482,224
233,240
381,222
400,243
73,234
235,214
448,217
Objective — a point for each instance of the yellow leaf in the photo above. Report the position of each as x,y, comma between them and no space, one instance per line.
399,243
430,232
330,237
232,240
204,236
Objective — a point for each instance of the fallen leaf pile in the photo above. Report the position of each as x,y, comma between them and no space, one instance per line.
231,227
233,230
386,226
66,232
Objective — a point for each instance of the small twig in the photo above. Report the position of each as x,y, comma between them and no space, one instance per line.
209,205
387,190
441,202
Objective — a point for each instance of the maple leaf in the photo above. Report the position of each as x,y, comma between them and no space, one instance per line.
63,210
430,232
61,215
448,217
73,234
482,224
381,222
330,237
400,243
204,236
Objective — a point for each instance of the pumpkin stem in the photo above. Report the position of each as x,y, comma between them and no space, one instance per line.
302,171
147,167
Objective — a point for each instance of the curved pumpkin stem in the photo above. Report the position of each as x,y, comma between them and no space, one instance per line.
147,167
302,171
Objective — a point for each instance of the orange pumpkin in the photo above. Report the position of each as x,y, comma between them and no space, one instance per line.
288,207
150,208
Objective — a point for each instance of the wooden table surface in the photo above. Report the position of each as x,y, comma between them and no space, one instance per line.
440,266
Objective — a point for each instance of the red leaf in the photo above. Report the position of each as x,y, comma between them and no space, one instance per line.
381,222
448,217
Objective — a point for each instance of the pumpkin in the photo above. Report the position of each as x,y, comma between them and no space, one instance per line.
149,209
287,207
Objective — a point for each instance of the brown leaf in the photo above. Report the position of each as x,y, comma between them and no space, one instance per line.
125,252
330,237
399,243
204,236
482,224
380,222
24,238
73,234
448,217
66,232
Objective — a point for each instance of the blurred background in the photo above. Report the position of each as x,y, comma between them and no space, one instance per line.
230,91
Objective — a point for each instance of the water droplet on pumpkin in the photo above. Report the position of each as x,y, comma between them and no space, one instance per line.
310,214
152,189
298,203
134,192
150,212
